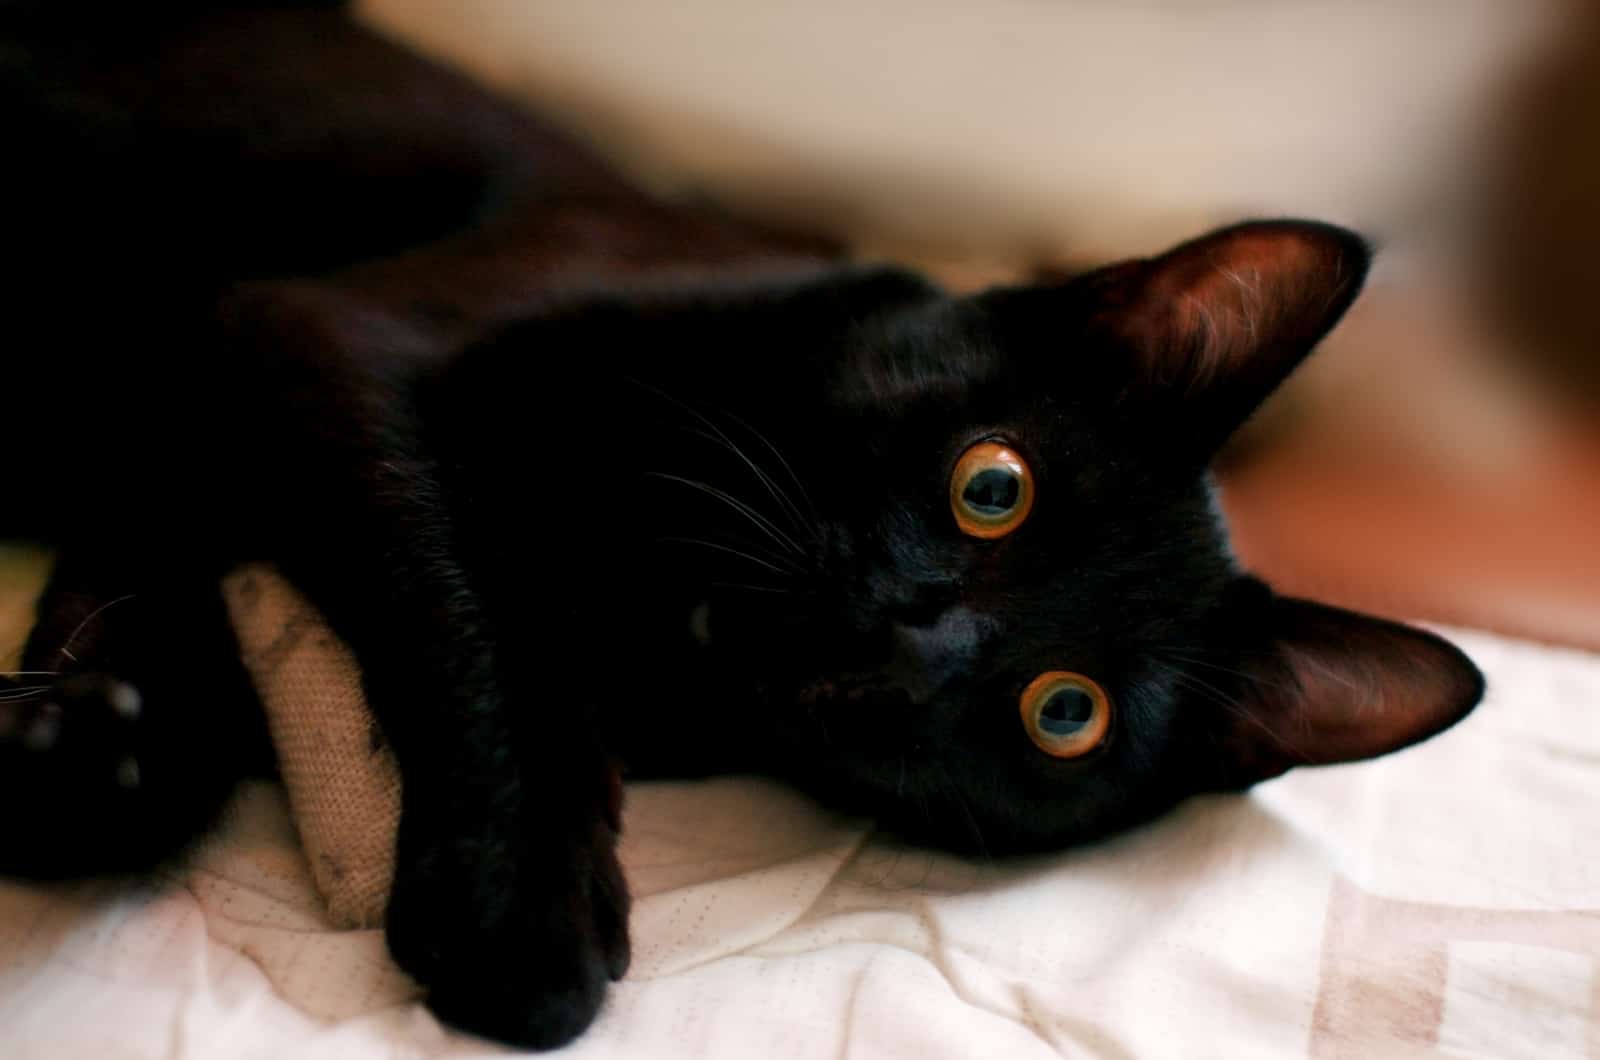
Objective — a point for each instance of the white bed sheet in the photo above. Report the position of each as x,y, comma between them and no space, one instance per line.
1441,902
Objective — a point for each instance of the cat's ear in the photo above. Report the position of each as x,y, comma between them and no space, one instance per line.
1325,685
1213,326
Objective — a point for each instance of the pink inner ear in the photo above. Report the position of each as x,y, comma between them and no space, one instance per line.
1237,309
1337,686
1358,704
1258,292
1227,305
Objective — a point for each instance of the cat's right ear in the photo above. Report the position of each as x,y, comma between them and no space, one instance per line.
1209,329
1321,684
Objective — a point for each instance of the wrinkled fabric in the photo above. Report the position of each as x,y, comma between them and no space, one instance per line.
1444,901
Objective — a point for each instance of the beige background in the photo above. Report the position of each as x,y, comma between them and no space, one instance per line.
1081,129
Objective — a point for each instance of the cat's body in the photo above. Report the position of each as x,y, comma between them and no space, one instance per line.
583,478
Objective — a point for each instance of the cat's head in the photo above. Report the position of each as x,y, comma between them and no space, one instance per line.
1003,612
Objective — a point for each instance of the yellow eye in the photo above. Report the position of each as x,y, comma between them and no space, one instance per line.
991,491
1066,714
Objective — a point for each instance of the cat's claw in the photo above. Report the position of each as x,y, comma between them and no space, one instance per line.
41,731
125,699
128,773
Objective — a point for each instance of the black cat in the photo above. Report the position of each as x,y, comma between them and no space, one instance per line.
585,478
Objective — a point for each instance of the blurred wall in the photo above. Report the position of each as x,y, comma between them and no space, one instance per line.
1061,130
1539,266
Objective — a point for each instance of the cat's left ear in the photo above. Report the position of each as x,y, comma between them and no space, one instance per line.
1322,685
1213,326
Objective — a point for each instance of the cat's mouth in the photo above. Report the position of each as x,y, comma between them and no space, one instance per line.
881,690
848,686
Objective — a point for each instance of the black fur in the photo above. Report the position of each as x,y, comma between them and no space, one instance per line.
585,478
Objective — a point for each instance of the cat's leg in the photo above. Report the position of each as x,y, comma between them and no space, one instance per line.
128,724
508,902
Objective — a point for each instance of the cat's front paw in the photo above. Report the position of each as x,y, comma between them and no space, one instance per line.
78,731
515,937
73,776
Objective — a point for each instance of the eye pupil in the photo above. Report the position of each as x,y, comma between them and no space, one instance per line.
1065,714
1067,711
993,491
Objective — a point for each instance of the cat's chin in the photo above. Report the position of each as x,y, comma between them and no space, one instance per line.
843,730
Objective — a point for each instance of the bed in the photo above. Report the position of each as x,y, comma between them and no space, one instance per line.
1439,902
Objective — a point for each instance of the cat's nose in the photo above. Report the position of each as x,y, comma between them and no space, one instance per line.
925,658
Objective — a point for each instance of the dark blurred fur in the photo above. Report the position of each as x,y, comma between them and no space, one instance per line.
582,476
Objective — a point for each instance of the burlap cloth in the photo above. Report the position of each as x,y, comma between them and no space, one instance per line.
342,782
343,785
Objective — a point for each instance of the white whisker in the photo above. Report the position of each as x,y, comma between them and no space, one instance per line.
773,449
96,613
755,588
762,522
718,435
786,569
